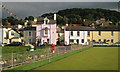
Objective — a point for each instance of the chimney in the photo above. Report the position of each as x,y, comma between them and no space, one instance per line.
9,25
55,16
84,20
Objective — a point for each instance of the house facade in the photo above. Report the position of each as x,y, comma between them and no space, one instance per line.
1,35
110,37
46,30
86,35
29,35
10,36
75,35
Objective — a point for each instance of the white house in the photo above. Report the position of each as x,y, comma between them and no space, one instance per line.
76,35
2,34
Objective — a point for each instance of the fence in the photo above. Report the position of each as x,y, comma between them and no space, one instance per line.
14,59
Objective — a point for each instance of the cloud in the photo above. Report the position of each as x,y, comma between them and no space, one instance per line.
23,9
60,0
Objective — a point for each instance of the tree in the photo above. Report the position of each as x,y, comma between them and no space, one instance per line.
26,18
31,18
29,23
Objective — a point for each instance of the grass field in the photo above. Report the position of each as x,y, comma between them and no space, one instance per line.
97,58
17,49
14,49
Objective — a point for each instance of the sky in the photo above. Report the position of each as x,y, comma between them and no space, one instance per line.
60,0
23,9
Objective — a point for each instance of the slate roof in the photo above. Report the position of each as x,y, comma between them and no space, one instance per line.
85,28
40,20
29,28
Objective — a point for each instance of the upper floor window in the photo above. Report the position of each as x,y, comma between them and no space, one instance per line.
30,34
78,33
112,33
99,33
46,31
71,33
46,21
88,33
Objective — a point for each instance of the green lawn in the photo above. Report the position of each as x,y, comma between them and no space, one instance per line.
14,49
97,58
17,49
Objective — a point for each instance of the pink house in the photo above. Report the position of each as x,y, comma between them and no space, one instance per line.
46,31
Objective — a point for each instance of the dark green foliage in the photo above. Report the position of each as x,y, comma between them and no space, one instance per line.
76,15
12,20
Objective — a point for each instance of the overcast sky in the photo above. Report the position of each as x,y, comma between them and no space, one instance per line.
60,0
23,9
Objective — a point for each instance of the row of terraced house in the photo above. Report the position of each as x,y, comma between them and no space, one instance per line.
45,30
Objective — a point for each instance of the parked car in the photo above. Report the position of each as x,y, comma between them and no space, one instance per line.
1,44
100,44
116,44
15,44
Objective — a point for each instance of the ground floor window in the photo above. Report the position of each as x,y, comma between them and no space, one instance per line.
99,40
111,40
105,40
82,40
30,41
71,40
77,41
47,40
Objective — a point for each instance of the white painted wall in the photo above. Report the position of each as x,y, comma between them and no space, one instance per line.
2,34
83,35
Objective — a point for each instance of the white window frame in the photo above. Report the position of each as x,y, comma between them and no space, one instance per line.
29,35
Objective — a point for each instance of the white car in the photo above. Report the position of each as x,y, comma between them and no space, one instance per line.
100,44
116,44
1,44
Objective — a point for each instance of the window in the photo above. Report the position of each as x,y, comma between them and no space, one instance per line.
88,40
82,40
71,40
111,33
30,41
12,33
46,21
46,31
77,41
93,40
99,40
112,41
88,33
105,40
99,33
78,33
71,33
30,34
47,40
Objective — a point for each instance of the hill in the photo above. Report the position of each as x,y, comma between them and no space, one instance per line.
77,15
